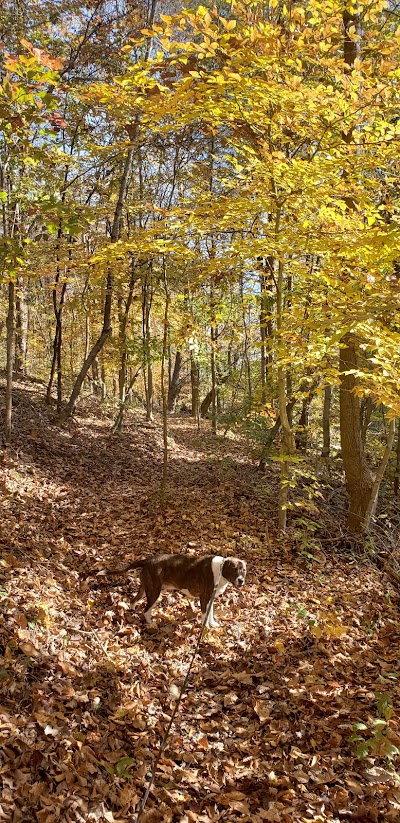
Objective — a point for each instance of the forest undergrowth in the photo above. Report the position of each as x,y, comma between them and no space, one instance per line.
305,653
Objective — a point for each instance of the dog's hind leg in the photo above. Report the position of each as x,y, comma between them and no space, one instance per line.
139,595
151,601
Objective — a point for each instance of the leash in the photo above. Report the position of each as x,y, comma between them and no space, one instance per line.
177,704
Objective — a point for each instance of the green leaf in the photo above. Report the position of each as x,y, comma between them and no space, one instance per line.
120,766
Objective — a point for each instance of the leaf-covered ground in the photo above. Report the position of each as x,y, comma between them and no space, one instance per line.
263,732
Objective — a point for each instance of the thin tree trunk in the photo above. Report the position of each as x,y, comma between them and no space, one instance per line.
21,328
106,329
123,314
10,323
288,446
214,337
147,298
103,379
164,393
302,424
117,426
371,507
174,382
246,345
326,427
265,321
195,386
57,346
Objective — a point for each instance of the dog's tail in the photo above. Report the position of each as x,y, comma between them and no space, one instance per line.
136,564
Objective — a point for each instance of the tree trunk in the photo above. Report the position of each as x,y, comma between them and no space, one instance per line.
214,336
288,446
265,320
359,480
10,323
370,511
302,424
195,386
147,299
123,315
164,394
206,403
175,384
117,426
56,365
326,428
21,328
246,347
106,329
366,408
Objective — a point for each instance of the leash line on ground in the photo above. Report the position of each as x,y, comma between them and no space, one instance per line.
177,704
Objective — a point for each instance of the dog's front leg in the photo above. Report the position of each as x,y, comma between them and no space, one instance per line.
211,623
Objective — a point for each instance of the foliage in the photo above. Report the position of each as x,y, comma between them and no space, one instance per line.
380,741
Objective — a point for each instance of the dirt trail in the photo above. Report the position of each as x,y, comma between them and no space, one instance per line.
264,730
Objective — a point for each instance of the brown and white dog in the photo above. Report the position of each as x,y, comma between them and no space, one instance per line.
194,576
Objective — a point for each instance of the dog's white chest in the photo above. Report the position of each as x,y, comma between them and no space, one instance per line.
216,566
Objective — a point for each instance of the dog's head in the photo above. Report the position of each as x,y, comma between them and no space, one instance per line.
234,570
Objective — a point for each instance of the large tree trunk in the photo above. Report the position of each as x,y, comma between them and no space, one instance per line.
106,329
359,480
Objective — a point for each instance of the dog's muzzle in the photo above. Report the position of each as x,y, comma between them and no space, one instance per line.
239,582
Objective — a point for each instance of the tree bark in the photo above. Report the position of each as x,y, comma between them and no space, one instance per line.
195,386
326,427
10,323
266,278
175,384
246,347
164,392
359,480
117,426
214,337
370,511
56,364
366,408
123,314
147,299
21,328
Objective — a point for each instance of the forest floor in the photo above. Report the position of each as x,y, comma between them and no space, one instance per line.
303,653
